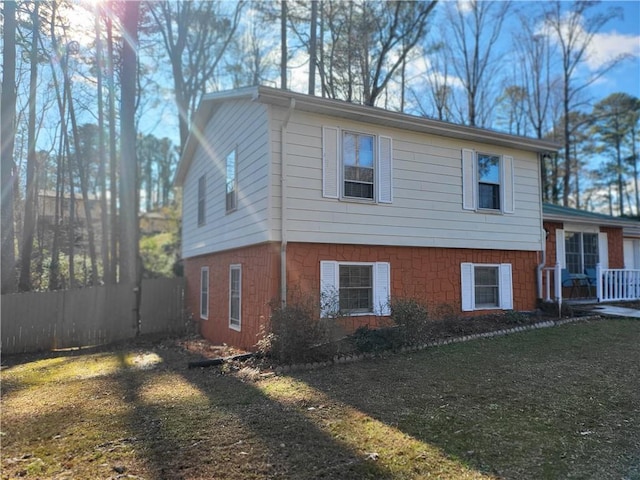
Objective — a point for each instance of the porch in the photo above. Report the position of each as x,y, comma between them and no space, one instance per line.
598,285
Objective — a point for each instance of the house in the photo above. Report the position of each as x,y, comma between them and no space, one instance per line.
599,255
287,194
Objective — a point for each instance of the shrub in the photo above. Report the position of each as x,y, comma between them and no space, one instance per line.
298,334
412,317
367,340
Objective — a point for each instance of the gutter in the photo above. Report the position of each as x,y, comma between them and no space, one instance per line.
283,203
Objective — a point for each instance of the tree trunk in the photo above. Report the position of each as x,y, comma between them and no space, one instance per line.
102,180
113,159
7,140
128,167
28,230
313,50
283,44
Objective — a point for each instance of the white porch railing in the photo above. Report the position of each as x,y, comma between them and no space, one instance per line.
617,284
612,284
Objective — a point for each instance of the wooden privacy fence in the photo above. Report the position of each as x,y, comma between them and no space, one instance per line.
90,316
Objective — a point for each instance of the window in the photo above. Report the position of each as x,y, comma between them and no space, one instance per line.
235,296
487,290
202,192
356,166
486,286
231,182
355,288
358,163
488,182
581,251
204,293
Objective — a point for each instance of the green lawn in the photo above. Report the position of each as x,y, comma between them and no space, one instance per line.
553,403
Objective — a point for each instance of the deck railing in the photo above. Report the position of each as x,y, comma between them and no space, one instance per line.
617,284
611,284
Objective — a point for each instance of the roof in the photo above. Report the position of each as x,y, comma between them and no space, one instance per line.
351,111
565,214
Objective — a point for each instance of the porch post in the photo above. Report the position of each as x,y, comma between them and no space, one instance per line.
598,282
557,283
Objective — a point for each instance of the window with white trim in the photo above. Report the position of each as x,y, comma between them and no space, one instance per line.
231,195
486,286
581,247
487,182
358,162
356,166
202,199
355,288
581,251
235,297
204,293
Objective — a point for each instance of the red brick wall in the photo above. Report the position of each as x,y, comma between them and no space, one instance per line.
431,274
616,246
260,285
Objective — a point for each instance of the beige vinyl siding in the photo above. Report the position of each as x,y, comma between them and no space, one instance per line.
249,224
427,193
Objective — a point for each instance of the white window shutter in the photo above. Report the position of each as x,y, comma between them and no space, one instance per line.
330,163
508,202
467,288
603,250
385,170
382,288
328,287
469,183
560,255
506,287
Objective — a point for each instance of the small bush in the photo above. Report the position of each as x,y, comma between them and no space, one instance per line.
412,317
298,334
368,340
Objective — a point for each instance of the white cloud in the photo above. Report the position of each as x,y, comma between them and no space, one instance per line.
607,46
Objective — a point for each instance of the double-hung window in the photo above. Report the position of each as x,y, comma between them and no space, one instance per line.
358,161
486,286
487,182
356,166
354,288
235,297
204,293
231,196
202,198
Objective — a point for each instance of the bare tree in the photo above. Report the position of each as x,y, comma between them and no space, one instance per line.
7,139
574,31
195,35
476,29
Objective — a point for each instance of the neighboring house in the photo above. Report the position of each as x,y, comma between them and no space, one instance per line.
589,246
287,194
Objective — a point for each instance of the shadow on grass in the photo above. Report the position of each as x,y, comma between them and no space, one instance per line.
556,403
214,426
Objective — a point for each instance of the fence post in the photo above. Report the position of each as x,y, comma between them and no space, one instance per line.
598,282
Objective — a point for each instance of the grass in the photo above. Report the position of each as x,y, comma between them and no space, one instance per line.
553,403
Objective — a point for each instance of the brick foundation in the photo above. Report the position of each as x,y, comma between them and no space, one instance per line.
260,285
429,274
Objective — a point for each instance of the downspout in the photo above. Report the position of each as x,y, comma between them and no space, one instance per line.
283,203
543,262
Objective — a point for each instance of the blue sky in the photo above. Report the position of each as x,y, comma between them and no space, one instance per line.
620,35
